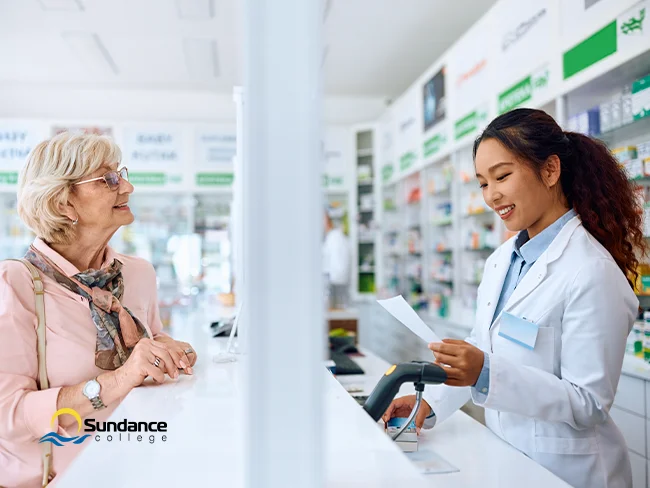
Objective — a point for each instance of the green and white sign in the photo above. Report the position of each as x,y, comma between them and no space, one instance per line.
470,123
524,91
145,178
434,144
333,182
641,98
626,31
387,172
8,177
214,179
407,160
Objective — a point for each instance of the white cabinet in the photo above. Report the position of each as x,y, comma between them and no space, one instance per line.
638,470
631,395
633,428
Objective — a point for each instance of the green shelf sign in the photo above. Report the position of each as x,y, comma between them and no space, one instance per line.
387,172
407,160
433,145
469,123
8,177
148,179
215,179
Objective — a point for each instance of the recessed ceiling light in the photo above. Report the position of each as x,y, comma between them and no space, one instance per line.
195,9
91,52
62,5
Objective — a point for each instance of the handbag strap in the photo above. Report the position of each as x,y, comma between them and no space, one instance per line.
44,383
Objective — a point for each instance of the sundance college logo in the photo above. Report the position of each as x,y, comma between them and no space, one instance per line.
123,431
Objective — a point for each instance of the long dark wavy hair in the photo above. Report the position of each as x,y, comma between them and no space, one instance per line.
593,182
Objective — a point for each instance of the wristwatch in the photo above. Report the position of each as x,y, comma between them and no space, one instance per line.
91,391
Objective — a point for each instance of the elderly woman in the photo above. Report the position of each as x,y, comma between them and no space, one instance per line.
103,329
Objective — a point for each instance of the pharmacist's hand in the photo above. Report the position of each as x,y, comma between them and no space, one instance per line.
403,406
184,354
461,360
141,364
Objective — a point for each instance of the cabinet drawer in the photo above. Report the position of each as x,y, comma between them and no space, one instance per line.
631,394
633,428
638,471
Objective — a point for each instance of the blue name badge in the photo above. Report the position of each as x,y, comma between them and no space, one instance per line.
519,331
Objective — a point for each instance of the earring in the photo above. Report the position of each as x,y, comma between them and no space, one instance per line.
75,221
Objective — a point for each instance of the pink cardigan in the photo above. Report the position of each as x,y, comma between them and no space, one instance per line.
25,412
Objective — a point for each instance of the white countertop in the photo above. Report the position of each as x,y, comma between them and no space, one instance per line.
633,366
483,459
205,438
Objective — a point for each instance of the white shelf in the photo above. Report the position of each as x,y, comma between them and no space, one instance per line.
364,153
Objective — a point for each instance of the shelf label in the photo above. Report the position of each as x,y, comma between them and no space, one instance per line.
590,51
146,146
333,181
148,179
8,177
214,179
626,31
407,160
387,172
215,145
434,144
523,91
469,124
17,139
641,98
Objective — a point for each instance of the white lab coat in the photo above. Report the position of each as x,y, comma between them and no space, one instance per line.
336,257
552,403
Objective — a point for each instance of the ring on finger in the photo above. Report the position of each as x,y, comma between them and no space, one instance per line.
189,350
156,363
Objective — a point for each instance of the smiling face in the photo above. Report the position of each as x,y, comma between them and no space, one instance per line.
100,210
513,189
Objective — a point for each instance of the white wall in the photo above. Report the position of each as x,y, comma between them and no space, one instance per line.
154,105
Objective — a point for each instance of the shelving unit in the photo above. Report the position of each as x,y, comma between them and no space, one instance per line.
365,212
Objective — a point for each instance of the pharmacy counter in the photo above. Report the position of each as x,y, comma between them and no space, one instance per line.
204,443
479,457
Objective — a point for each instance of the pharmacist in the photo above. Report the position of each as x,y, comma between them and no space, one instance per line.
336,262
555,306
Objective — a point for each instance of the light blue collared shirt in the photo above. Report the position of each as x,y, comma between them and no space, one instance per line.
526,251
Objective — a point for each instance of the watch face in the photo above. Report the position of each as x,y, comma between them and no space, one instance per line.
91,389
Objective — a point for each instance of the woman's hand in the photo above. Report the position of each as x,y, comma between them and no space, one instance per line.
141,363
183,354
462,361
403,406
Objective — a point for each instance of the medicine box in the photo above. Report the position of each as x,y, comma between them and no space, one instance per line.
641,98
407,440
605,116
634,168
616,113
625,153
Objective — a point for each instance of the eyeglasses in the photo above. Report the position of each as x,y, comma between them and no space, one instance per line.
112,178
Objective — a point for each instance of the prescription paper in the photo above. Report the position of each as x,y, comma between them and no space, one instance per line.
403,312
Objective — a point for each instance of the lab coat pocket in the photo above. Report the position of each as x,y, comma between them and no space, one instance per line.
541,356
556,438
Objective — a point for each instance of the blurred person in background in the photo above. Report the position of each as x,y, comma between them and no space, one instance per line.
555,305
336,263
103,330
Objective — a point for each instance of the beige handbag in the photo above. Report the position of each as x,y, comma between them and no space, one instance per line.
44,384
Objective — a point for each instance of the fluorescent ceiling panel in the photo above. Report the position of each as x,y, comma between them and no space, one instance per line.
91,52
195,9
62,5
201,58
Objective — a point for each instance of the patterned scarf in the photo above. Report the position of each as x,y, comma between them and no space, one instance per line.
118,330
